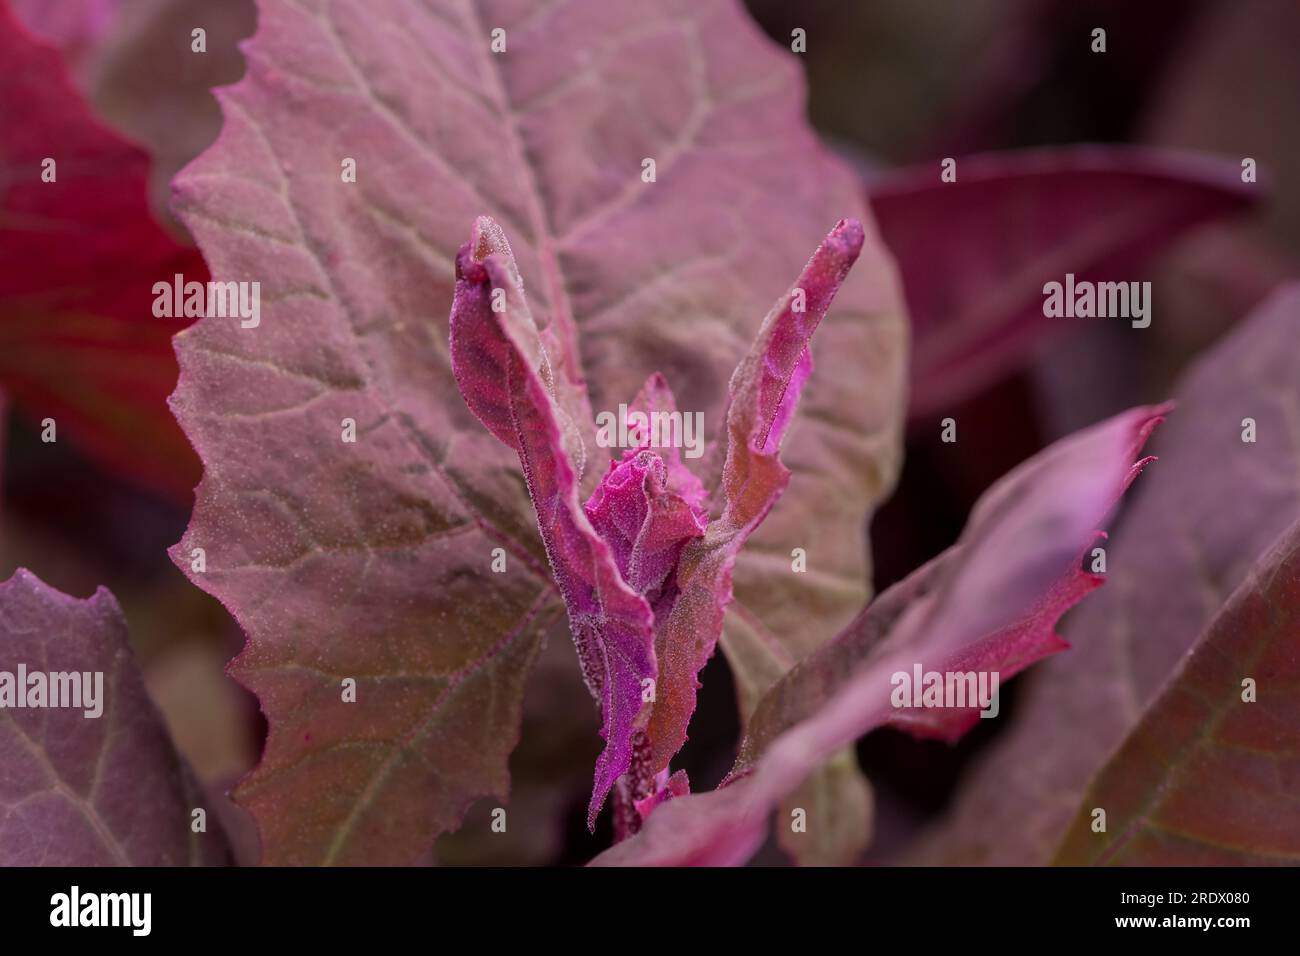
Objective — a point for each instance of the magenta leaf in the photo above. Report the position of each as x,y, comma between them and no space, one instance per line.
990,603
645,523
486,359
763,391
78,790
656,396
637,545
1174,559
79,255
976,253
499,364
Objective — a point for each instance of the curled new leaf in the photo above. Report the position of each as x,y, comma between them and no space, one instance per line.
763,392
643,541
987,605
498,361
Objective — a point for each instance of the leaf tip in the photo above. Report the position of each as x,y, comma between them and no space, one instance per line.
850,233
488,238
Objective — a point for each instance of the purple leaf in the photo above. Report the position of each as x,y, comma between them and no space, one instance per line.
499,364
644,521
656,396
637,545
990,603
1230,712
78,790
763,392
1176,556
976,253
373,559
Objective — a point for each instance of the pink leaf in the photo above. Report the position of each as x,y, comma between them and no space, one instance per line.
763,391
1176,555
628,547
645,523
498,362
656,396
991,601
77,790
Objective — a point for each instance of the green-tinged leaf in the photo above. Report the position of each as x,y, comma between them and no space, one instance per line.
1208,776
1189,538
